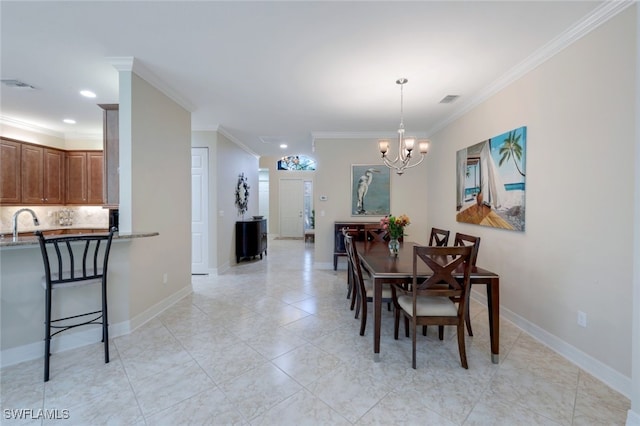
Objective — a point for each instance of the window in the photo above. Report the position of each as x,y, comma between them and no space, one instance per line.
296,162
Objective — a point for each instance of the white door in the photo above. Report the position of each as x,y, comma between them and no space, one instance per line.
199,210
291,207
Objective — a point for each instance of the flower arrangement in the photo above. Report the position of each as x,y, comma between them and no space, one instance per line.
395,225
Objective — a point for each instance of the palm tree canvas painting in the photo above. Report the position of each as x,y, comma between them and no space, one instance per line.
490,183
370,188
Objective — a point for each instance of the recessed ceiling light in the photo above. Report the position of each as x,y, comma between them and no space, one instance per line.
69,121
87,94
283,145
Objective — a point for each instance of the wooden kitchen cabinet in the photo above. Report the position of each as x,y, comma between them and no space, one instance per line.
84,177
10,179
42,175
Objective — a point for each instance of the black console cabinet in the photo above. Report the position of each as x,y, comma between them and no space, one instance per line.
251,238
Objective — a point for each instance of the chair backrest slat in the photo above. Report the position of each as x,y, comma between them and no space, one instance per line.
447,264
468,240
374,232
439,237
78,257
354,261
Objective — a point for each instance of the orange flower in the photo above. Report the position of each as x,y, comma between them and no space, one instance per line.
395,225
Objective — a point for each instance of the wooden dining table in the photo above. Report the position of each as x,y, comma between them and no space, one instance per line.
384,268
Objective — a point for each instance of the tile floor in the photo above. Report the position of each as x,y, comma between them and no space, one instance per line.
273,342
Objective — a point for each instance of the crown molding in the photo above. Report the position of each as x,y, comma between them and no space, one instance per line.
206,128
83,136
590,22
8,121
362,135
131,64
237,141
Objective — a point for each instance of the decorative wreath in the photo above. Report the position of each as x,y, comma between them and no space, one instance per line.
242,194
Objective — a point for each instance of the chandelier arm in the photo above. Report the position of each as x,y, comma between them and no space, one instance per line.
415,164
403,157
388,163
401,153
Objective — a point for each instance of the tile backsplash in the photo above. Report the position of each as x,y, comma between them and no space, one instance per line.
52,216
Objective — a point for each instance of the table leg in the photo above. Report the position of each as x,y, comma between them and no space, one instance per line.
493,306
377,317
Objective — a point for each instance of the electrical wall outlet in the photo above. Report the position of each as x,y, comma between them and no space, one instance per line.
165,278
582,319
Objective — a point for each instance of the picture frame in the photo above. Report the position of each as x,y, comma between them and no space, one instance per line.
370,190
490,181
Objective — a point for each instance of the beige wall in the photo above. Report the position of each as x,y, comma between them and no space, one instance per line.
155,138
155,164
634,414
333,180
576,251
231,161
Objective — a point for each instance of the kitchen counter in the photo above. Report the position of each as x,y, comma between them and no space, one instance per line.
6,241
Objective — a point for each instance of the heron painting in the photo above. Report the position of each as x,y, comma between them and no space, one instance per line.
369,190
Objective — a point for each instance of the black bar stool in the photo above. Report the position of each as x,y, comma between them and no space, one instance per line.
73,261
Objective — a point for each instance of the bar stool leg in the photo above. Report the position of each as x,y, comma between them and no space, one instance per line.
105,322
47,332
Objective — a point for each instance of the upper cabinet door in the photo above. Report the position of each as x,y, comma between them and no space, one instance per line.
32,174
53,176
76,177
10,178
95,177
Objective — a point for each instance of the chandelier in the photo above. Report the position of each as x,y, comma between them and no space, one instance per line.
406,145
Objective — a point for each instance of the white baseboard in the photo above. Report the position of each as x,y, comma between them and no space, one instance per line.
89,336
599,370
159,307
224,268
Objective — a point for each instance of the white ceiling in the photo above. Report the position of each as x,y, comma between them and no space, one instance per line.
277,71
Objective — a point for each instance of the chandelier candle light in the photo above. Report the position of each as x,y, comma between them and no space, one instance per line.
405,145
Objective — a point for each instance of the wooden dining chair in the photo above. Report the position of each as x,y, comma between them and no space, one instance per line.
362,286
431,302
375,232
474,242
439,237
351,292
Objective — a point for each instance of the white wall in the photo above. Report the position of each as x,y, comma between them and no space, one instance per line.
231,161
333,179
576,251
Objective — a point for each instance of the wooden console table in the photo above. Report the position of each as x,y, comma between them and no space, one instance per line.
251,238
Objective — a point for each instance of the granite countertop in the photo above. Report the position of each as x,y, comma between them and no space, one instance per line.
32,240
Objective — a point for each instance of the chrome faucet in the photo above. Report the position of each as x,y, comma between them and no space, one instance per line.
36,222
